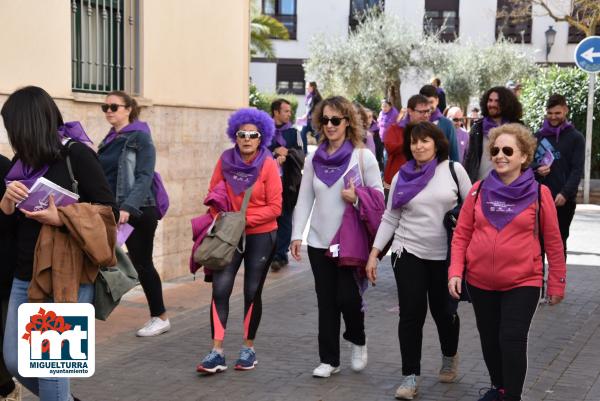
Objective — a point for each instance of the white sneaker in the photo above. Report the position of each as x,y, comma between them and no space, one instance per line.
16,393
359,357
325,370
154,327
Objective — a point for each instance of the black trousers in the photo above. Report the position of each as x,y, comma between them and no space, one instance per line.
417,281
565,215
140,245
257,257
503,320
337,296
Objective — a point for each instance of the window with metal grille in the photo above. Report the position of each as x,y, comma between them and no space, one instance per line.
442,14
514,27
290,77
105,45
359,7
283,11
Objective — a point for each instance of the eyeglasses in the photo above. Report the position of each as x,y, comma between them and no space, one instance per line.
457,120
507,150
113,107
423,112
334,120
248,134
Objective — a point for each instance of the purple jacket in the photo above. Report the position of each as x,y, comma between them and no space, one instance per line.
357,231
218,200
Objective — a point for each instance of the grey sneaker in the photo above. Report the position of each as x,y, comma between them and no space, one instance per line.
449,369
408,388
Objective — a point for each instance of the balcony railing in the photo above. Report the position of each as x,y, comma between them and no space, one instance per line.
289,21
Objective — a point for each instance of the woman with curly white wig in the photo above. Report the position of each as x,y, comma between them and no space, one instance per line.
248,165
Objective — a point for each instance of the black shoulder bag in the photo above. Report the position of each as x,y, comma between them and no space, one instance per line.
450,219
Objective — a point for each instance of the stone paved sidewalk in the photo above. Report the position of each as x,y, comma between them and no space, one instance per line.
564,349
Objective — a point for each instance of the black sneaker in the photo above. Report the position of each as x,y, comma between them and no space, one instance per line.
276,265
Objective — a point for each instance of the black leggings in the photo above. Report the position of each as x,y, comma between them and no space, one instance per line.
257,257
417,280
337,293
503,320
140,245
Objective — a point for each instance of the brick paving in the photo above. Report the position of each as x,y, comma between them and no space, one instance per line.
564,348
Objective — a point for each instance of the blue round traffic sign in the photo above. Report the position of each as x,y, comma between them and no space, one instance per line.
587,54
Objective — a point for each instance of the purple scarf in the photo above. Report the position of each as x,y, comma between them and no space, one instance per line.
374,127
28,176
404,122
25,174
411,182
436,115
74,130
387,119
329,168
489,123
137,125
308,98
549,130
501,203
278,138
239,174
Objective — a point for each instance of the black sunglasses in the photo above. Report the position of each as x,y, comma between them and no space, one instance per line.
334,120
458,120
248,134
507,150
113,107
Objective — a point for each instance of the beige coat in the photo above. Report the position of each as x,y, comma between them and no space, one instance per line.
66,256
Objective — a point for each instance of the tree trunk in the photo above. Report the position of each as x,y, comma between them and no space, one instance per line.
393,94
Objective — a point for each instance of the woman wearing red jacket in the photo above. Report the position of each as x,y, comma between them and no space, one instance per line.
496,247
248,165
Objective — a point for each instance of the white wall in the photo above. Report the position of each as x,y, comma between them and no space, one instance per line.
264,76
477,21
329,17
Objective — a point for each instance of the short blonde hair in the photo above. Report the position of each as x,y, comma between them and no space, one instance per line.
354,130
525,140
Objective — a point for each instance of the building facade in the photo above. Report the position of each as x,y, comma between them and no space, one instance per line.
172,56
478,21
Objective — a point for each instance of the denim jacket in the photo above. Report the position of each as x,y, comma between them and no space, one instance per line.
135,173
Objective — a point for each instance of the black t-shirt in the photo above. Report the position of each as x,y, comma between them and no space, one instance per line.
93,188
7,257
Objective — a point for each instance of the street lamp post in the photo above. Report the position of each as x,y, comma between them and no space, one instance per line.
550,35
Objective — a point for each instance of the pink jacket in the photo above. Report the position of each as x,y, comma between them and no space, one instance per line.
502,260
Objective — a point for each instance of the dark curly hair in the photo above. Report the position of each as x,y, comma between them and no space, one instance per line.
510,107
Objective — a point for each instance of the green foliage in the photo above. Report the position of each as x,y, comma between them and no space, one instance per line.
263,29
262,101
473,69
573,84
372,103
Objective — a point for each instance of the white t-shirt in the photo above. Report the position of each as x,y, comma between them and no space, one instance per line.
325,202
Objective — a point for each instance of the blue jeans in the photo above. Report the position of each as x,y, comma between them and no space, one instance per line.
304,135
47,389
284,236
